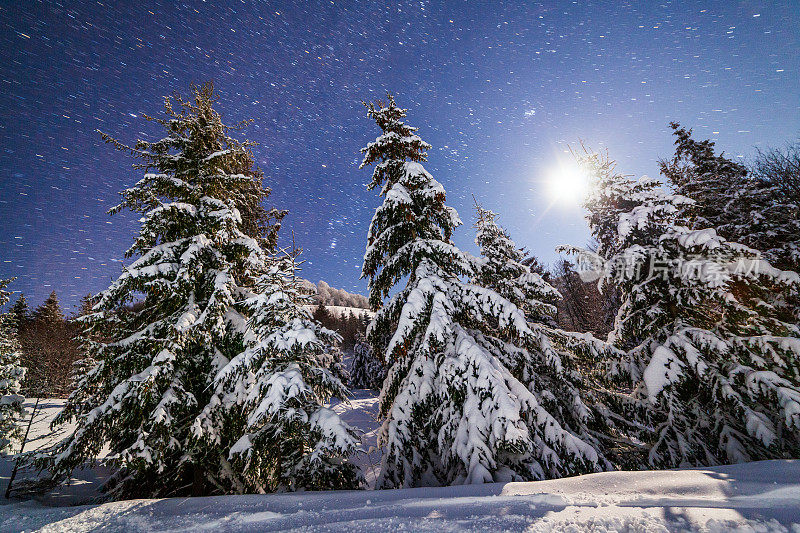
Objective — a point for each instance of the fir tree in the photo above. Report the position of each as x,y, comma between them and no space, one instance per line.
21,312
612,194
323,315
269,400
11,375
86,336
50,311
504,271
198,258
367,371
556,366
711,180
741,207
713,367
48,350
454,413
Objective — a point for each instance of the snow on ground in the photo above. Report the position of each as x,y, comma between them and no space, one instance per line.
763,496
41,435
362,412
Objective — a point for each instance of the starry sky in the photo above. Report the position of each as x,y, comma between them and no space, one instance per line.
500,89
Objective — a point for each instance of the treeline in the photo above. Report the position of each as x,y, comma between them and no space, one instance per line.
48,344
51,347
350,326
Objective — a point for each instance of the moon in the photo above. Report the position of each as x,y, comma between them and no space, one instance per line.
567,184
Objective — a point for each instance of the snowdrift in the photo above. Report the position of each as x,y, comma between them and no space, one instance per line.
763,496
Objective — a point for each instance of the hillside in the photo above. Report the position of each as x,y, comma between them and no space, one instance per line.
330,296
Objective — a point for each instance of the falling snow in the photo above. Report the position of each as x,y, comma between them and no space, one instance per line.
500,91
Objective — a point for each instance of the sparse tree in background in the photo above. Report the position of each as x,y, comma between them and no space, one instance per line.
781,168
199,254
454,412
11,376
582,306
778,171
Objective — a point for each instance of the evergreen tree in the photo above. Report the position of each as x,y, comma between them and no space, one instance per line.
21,312
157,361
48,350
11,375
367,371
613,194
50,311
741,207
503,270
714,369
323,315
454,413
556,366
86,336
269,400
711,180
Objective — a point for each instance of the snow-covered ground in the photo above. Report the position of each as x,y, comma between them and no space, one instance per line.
362,412
763,496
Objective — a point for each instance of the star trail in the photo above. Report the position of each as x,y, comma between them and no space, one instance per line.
499,89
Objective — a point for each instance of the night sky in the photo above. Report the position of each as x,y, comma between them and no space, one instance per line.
498,90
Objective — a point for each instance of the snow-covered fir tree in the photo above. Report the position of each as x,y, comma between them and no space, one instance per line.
741,207
714,369
557,366
503,270
454,412
269,400
199,254
11,375
611,195
366,370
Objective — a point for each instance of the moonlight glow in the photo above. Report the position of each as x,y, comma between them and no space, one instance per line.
567,184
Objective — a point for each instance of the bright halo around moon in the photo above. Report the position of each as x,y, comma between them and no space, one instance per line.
567,184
